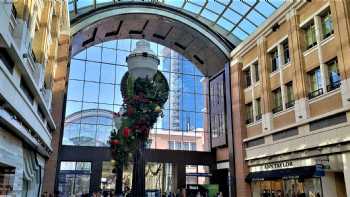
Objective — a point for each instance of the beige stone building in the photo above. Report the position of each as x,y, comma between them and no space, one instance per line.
290,82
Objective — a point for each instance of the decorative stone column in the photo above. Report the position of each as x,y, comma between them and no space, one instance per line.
346,168
58,92
265,85
297,60
239,132
340,10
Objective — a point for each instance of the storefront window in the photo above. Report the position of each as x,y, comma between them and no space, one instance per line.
7,177
74,178
197,174
310,187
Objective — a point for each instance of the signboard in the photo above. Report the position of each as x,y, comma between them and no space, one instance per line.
323,161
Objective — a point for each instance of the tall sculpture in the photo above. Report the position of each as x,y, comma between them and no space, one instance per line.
145,90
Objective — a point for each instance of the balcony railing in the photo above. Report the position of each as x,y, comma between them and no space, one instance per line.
258,117
277,109
290,104
315,93
334,85
13,18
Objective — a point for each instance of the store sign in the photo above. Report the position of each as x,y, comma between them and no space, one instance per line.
324,161
278,165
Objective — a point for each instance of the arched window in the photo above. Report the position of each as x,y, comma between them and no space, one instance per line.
94,93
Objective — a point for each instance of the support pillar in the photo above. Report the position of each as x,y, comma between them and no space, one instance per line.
238,167
138,175
346,167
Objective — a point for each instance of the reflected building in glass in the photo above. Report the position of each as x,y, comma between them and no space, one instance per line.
94,94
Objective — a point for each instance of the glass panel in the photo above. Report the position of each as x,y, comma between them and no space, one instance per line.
120,71
124,44
109,55
333,72
77,69
107,73
82,184
106,93
71,134
94,54
92,71
102,135
327,24
75,90
91,91
72,107
87,135
96,90
108,178
315,79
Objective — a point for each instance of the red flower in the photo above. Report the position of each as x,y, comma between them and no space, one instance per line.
130,111
136,97
126,132
115,142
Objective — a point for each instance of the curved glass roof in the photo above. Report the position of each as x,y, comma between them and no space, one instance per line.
231,18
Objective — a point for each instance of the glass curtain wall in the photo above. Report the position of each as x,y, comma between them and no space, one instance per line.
94,90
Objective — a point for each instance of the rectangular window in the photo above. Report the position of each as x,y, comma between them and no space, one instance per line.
277,100
258,109
27,91
310,35
7,177
274,60
315,83
256,71
333,75
6,59
289,95
247,77
327,24
249,113
286,58
74,178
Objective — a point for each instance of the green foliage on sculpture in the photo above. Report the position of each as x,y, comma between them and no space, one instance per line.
143,101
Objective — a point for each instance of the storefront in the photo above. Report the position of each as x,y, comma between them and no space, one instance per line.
298,178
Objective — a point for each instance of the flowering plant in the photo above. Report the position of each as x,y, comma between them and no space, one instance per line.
142,105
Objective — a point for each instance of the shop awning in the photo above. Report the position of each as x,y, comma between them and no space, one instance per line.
289,173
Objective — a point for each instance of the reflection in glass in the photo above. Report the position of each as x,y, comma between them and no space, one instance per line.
74,178
94,94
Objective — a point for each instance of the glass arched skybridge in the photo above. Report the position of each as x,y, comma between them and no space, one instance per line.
233,19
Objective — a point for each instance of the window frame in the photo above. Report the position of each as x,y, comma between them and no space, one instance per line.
290,100
274,60
247,77
286,51
310,27
313,76
325,17
277,101
332,85
258,111
249,113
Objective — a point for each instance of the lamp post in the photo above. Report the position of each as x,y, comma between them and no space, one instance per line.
142,63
